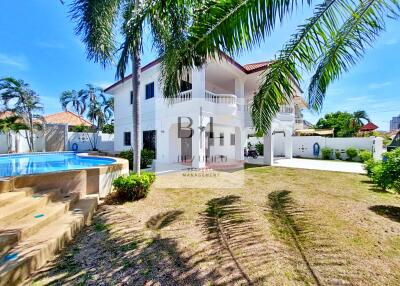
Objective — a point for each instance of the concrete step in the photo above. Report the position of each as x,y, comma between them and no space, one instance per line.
22,207
12,197
30,224
31,254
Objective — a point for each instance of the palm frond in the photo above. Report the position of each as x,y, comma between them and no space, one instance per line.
349,44
95,23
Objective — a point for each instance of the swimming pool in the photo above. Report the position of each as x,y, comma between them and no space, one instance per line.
39,163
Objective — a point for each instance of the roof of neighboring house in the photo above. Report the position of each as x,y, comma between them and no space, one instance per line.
312,131
248,68
5,114
66,117
369,127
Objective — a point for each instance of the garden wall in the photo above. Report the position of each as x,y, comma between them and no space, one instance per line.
303,145
104,142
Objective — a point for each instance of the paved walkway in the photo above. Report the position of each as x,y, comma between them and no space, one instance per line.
325,165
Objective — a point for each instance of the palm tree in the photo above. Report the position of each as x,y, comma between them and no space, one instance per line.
96,23
108,108
358,116
74,98
327,45
9,124
23,101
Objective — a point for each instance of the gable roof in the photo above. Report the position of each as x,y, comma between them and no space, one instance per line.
66,117
247,69
369,127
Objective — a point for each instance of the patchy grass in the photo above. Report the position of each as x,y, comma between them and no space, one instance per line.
284,227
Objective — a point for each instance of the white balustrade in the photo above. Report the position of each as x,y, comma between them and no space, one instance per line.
220,98
182,97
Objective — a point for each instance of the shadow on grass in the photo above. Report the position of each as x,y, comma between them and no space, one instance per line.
236,245
114,250
390,212
288,228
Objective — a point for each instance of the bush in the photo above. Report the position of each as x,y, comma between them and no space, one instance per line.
133,187
386,173
260,148
146,157
365,155
352,153
326,153
337,155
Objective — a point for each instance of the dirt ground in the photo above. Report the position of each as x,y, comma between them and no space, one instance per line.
283,227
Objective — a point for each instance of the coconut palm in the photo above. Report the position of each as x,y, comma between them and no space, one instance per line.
97,22
9,124
23,101
358,117
108,108
74,99
326,45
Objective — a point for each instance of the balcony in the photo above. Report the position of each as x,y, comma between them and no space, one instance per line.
213,102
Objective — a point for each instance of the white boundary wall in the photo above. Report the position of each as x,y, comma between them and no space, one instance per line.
105,142
303,145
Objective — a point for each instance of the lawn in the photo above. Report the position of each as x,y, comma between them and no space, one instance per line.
285,227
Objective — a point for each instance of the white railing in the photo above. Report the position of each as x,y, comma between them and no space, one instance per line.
182,96
286,109
220,98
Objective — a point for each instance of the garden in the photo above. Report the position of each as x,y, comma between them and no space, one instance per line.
284,227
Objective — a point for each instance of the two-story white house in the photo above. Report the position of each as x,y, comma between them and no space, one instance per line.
208,121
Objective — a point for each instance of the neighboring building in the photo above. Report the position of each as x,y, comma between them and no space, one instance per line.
395,123
214,101
66,118
369,127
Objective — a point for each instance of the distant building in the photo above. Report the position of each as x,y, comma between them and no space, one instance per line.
395,123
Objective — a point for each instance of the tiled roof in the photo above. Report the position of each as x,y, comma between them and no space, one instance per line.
369,127
5,114
66,117
256,66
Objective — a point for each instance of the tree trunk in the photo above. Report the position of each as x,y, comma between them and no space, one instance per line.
9,142
135,57
136,110
31,148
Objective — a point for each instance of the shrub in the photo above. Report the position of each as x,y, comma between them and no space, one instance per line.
145,159
365,155
386,173
326,153
352,153
133,187
260,148
337,155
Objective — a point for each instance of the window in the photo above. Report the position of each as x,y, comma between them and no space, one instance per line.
232,139
150,90
149,140
221,139
127,138
131,97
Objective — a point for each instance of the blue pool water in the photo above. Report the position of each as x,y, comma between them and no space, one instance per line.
23,164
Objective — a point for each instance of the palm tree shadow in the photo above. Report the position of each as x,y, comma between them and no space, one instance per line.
390,212
235,244
284,221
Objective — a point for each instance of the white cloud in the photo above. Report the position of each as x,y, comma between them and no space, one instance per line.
376,85
49,45
19,62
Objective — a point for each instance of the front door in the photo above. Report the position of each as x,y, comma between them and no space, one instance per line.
186,146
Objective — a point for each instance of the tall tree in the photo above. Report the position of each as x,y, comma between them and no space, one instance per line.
9,124
327,45
97,22
358,117
24,102
74,98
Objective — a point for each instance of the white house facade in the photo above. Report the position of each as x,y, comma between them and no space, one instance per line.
208,121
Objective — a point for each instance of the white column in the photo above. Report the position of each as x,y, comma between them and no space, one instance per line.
288,144
239,87
268,148
199,141
198,83
239,144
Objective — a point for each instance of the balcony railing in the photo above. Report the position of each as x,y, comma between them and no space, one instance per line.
220,98
208,96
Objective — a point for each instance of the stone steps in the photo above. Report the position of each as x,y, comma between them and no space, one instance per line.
35,226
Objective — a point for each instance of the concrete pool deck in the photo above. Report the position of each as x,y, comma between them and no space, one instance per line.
314,164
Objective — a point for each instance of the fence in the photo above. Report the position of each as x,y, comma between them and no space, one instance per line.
303,145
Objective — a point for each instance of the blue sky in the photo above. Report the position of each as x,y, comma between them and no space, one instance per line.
38,45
